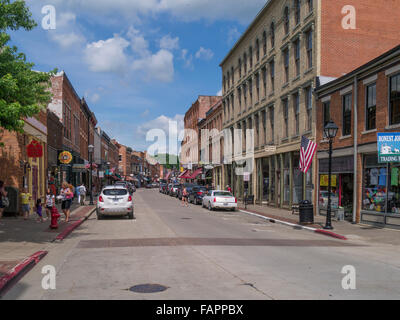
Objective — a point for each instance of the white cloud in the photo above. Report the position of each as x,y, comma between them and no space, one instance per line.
233,35
204,54
219,93
67,40
159,66
107,55
169,43
188,59
139,44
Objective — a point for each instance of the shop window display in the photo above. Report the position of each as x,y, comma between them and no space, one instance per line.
286,178
297,180
375,185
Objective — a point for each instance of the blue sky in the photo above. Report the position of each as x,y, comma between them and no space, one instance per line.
139,63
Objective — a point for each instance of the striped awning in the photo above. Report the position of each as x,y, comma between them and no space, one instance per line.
196,173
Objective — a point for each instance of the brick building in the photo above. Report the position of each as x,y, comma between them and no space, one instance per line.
290,48
54,147
362,103
19,171
191,142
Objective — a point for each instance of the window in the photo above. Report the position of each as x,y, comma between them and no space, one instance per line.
271,121
245,95
286,117
297,11
245,63
77,130
309,108
264,124
272,34
251,57
346,115
229,80
264,77
233,76
371,107
272,74
309,40
296,107
310,5
258,86
257,127
251,91
258,50
240,68
224,84
326,113
264,40
286,64
395,99
229,109
297,56
67,121
240,99
233,105
286,20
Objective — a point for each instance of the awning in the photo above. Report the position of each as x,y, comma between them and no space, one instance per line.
186,175
183,173
196,173
167,176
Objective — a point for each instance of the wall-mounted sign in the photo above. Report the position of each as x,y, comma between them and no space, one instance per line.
324,180
34,149
65,157
388,147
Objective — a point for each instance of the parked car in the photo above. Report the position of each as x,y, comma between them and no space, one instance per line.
115,201
219,199
174,190
162,187
154,185
196,194
131,188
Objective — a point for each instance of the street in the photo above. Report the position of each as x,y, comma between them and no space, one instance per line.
208,255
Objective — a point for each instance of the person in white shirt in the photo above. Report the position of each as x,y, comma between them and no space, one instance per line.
82,194
50,202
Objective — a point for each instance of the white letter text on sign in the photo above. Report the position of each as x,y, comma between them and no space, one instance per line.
49,280
349,20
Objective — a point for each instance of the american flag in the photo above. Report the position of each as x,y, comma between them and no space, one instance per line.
307,151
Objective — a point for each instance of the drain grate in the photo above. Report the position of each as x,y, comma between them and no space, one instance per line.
148,288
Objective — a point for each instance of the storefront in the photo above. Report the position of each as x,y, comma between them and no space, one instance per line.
342,183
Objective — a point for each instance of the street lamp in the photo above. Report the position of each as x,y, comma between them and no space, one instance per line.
330,132
91,149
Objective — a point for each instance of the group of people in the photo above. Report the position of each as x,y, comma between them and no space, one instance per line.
66,196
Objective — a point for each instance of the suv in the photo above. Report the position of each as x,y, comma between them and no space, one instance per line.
115,201
174,190
196,194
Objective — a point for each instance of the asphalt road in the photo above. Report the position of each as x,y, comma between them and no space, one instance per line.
198,254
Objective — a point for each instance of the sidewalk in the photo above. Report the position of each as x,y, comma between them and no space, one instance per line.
350,231
20,239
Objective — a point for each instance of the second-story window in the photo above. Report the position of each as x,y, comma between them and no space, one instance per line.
240,99
346,115
394,100
296,107
310,5
326,113
264,77
229,80
264,42
286,117
272,34
286,20
245,63
286,64
371,107
258,86
233,105
240,68
245,95
233,76
272,122
251,57
297,11
258,50
272,75
309,97
251,91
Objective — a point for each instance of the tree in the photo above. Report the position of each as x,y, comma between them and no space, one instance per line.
23,91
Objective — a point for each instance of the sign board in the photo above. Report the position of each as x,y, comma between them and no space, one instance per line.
324,180
65,157
101,174
388,147
246,177
34,150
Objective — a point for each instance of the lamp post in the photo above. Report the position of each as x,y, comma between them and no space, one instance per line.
330,132
91,149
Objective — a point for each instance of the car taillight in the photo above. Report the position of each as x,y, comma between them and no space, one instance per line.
101,199
235,200
199,193
130,198
215,199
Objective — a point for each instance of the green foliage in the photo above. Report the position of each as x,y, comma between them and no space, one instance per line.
23,92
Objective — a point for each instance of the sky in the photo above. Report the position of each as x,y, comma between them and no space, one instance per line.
138,63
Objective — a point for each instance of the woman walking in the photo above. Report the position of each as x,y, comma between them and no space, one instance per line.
67,195
3,194
185,197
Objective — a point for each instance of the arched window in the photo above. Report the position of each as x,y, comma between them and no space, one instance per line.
264,40
297,11
258,50
272,34
286,19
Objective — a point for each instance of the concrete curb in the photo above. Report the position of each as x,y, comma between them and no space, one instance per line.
16,273
297,226
72,227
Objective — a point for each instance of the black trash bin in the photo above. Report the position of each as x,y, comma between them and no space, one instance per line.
306,212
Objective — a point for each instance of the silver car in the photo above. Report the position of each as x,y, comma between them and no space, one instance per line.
219,199
115,201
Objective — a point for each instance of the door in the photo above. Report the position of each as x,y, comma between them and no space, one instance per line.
35,183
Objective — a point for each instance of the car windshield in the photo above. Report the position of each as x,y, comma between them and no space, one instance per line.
222,194
115,192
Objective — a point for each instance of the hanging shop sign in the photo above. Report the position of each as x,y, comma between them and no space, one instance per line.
65,157
388,147
324,180
34,150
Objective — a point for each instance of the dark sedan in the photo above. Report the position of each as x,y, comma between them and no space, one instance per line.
196,194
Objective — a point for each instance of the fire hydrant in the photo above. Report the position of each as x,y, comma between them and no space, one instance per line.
54,218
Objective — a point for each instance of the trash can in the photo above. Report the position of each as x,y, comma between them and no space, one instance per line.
306,212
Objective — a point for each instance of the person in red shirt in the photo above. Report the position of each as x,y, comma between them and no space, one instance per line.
228,188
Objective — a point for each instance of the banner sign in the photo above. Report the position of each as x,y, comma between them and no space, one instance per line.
388,147
324,180
34,150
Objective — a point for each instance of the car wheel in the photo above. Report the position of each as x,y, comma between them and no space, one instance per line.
99,216
131,216
209,206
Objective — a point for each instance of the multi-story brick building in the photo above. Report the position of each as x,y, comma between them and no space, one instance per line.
362,103
125,158
291,47
54,147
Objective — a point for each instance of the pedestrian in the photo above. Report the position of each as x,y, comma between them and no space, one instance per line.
78,194
82,194
38,209
26,197
50,202
67,195
3,195
228,188
185,197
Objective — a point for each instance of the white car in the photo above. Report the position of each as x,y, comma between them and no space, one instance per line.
115,201
219,199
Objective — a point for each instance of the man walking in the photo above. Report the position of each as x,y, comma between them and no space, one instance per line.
82,194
